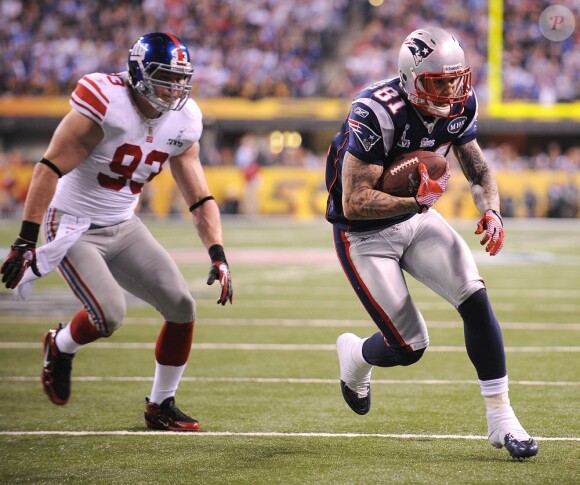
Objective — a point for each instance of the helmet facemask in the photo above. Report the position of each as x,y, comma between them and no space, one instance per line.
173,81
442,94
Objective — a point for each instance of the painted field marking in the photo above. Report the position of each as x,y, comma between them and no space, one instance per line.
266,434
278,347
299,322
292,380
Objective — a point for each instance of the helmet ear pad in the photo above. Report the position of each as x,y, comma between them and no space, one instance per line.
404,80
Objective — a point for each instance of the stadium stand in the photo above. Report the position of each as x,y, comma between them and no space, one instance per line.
260,48
252,49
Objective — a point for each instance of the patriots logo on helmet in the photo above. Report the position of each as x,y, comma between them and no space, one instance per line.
365,135
419,49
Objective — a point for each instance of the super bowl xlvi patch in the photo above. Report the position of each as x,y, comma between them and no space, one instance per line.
404,142
365,135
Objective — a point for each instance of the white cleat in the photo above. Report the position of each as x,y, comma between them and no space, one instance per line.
355,373
504,429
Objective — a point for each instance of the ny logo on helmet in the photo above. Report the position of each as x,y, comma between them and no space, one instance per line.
138,51
419,49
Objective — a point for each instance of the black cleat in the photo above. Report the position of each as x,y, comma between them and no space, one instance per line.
360,405
167,417
520,449
56,369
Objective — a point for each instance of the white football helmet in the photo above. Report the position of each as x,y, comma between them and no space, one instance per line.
433,72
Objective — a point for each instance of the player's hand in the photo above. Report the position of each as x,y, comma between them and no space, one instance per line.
430,190
492,224
21,256
220,271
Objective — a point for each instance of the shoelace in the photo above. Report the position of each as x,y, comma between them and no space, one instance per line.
175,413
520,434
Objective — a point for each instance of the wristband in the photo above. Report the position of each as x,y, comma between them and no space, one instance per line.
422,207
498,216
29,231
216,253
192,207
52,166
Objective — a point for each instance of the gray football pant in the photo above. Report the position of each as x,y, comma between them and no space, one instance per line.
427,248
105,261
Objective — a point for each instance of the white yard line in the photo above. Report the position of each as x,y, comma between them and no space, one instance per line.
278,347
298,322
267,434
291,380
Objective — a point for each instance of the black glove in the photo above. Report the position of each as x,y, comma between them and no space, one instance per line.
220,271
22,255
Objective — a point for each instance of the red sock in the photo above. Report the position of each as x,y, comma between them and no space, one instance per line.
82,330
174,343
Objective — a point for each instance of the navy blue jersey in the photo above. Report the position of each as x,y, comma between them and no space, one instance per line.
381,125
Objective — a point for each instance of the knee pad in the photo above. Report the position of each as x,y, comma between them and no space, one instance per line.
111,317
181,310
396,357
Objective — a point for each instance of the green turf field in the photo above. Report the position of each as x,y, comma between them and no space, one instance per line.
263,374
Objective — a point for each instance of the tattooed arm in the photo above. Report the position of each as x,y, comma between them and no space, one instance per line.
359,198
476,170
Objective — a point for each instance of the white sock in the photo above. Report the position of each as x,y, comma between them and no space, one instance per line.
65,342
357,354
165,383
495,393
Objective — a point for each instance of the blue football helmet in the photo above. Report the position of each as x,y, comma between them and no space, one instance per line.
160,70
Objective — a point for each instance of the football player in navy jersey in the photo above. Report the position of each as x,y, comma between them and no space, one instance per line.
430,105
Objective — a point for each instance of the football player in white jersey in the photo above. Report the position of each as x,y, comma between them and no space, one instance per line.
429,106
120,131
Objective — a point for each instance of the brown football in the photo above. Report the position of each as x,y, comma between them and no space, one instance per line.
401,178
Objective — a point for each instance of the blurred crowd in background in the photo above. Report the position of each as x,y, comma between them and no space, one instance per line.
275,48
259,48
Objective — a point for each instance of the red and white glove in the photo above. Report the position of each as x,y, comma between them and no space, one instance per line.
22,255
430,190
220,271
492,224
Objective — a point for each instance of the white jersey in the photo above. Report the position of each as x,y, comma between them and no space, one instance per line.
106,186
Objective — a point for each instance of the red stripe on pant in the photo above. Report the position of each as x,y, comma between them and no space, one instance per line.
390,333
